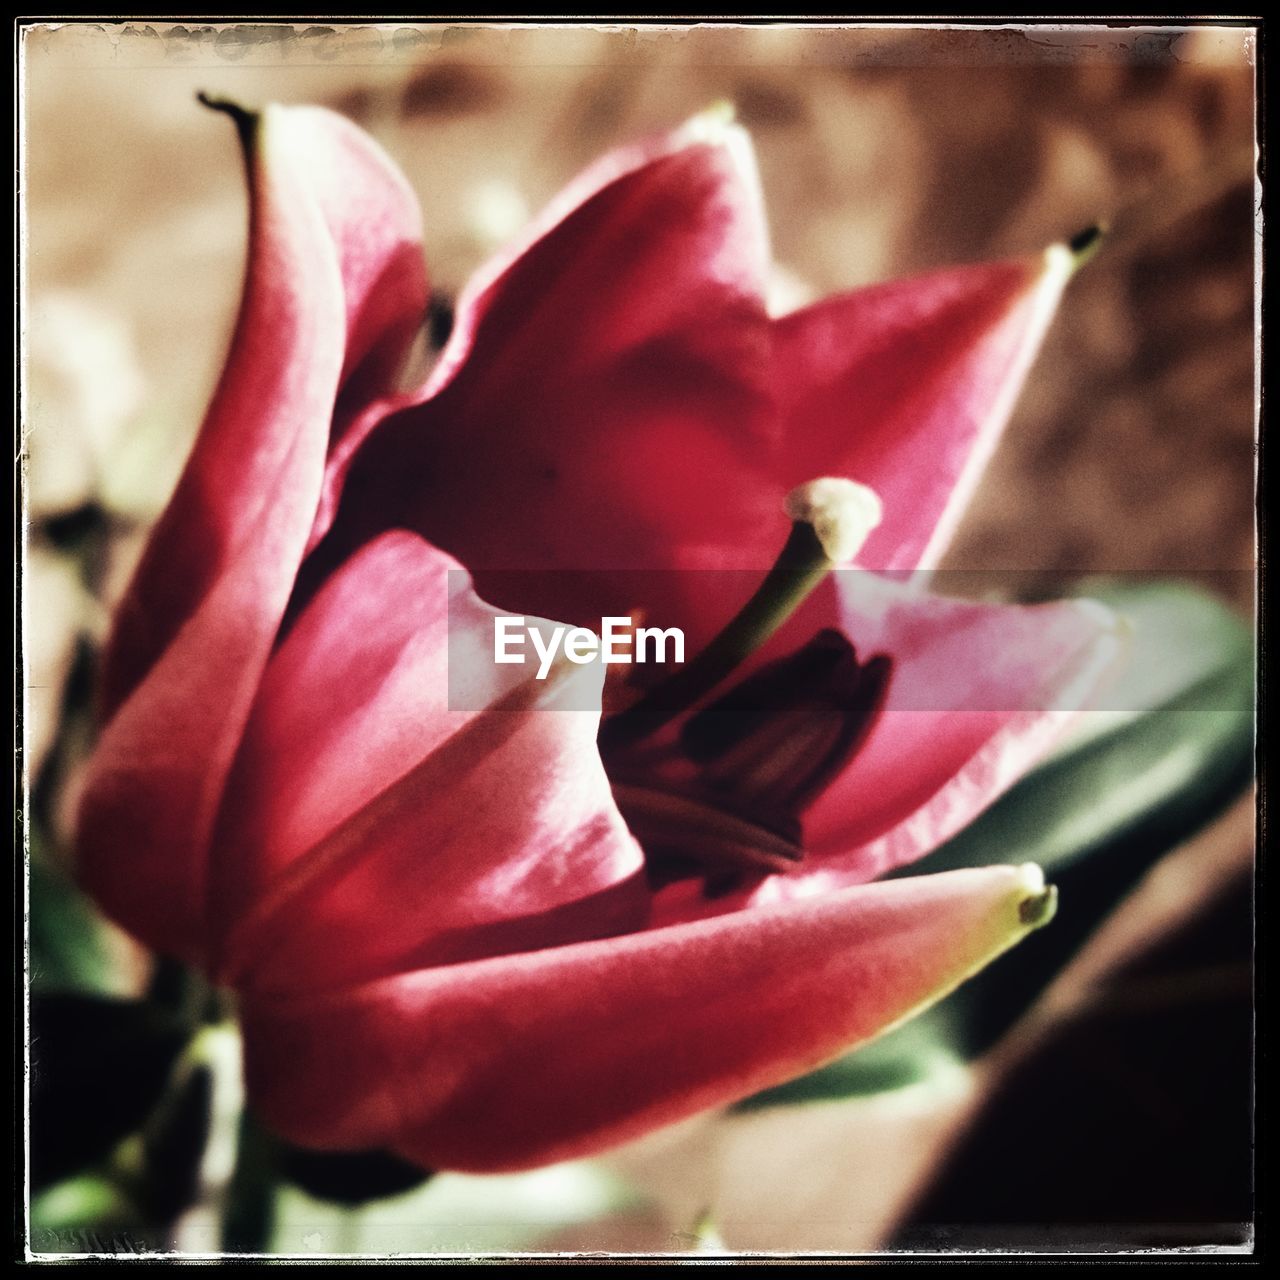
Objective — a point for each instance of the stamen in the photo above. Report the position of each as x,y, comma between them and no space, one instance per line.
833,519
670,825
773,743
842,514
726,802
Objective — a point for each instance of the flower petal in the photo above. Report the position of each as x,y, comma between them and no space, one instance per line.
197,624
373,216
509,1063
605,400
979,693
353,698
614,397
906,387
370,822
334,288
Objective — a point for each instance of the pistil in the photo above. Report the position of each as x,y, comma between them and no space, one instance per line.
832,519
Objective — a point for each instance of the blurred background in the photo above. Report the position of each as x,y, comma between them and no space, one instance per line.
1114,1109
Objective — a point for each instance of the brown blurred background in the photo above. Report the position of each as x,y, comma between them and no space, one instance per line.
883,151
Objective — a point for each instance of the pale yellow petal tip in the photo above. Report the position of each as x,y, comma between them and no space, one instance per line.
722,110
714,124
842,512
1113,627
1084,244
706,1235
1105,618
1039,900
1064,259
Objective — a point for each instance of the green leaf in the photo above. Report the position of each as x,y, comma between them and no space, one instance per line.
69,943
87,1214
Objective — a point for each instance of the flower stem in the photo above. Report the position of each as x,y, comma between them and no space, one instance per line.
249,1219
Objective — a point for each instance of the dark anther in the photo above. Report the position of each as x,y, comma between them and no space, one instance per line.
777,738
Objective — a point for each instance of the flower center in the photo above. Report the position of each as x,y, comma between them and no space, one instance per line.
721,796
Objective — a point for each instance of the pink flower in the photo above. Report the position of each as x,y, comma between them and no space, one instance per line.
473,934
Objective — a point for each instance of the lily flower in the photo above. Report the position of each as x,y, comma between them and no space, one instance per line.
485,931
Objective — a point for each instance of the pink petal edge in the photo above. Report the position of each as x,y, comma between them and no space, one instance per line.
509,1063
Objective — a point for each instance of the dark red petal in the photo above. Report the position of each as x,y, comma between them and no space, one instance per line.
906,387
604,402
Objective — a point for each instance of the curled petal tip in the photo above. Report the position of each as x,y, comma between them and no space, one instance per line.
1040,906
713,124
1105,617
245,119
1039,901
1114,629
1083,245
1088,239
1031,878
842,512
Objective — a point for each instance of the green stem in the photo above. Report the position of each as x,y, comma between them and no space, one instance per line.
249,1220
